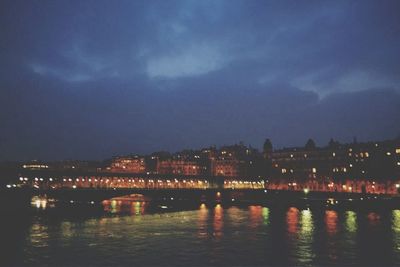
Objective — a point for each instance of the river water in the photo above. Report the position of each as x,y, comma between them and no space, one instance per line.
204,236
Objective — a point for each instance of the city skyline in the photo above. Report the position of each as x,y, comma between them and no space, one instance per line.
200,133
258,149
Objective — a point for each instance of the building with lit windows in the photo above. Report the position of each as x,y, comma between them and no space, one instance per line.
371,161
227,167
131,164
179,167
354,167
237,161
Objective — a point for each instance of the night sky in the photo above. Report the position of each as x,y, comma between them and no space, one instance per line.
93,79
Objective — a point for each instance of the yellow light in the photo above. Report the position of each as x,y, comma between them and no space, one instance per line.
396,221
351,221
218,194
397,185
306,190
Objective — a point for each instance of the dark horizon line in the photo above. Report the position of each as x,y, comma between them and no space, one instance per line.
191,149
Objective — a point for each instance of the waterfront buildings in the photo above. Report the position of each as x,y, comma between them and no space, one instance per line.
179,167
353,167
370,161
131,164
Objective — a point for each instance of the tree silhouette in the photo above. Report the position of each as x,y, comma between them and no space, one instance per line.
310,144
333,143
267,146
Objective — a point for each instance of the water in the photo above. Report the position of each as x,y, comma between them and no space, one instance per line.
135,235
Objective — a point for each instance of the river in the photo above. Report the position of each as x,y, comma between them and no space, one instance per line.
217,235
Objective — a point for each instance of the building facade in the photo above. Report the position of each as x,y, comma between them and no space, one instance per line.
131,164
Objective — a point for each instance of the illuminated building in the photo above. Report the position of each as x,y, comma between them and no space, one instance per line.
227,167
372,167
356,165
237,161
131,164
179,167
35,166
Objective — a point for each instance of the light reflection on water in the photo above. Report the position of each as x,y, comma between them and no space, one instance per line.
265,214
213,235
396,221
351,221
292,219
218,221
202,221
373,218
396,232
331,219
39,202
256,218
300,231
307,225
39,235
306,233
131,207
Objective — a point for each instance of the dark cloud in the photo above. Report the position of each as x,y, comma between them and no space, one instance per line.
93,79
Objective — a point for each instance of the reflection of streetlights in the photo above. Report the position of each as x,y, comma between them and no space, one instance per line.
218,197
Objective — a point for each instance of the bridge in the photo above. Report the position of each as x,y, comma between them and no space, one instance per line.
94,187
57,180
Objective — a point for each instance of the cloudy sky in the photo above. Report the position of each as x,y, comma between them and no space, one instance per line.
93,79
